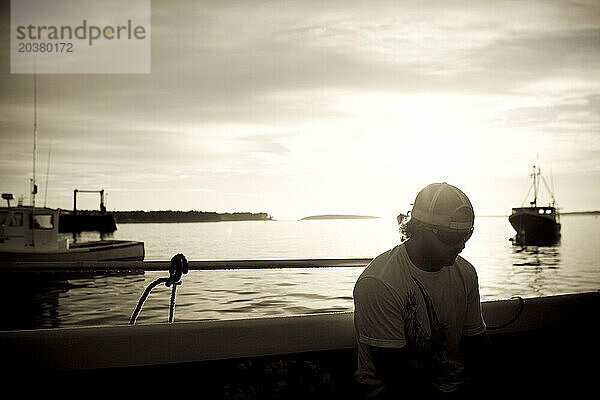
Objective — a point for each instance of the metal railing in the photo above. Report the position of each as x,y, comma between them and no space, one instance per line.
164,265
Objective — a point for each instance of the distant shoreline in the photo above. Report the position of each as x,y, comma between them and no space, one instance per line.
337,216
185,216
581,213
170,216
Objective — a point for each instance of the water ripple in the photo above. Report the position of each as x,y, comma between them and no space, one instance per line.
504,271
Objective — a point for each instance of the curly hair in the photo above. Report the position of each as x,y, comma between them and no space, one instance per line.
409,227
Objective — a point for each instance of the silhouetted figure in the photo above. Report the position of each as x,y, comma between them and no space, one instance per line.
417,315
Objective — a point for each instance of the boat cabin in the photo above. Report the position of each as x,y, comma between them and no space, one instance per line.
549,211
31,228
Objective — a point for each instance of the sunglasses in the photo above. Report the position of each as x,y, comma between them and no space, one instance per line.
452,237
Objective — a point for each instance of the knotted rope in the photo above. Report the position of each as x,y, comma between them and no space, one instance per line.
179,266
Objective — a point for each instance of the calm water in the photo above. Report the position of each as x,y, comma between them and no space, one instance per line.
504,271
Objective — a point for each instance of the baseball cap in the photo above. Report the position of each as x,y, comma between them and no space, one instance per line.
443,205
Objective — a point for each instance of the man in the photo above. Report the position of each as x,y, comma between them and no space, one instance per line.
417,312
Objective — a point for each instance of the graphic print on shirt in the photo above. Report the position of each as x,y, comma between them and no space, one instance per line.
428,348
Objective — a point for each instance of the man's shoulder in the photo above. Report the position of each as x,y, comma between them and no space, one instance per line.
382,285
386,268
385,257
465,266
383,261
466,271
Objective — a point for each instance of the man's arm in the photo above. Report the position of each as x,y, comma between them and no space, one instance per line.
393,367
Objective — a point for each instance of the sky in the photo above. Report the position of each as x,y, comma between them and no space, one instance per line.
297,108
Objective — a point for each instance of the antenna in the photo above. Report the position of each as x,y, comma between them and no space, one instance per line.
33,185
47,173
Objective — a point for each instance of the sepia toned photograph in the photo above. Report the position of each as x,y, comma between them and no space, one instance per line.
300,199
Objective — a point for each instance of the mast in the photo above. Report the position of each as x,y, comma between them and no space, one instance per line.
535,186
33,185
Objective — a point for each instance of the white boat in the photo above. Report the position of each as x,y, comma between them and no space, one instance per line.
31,234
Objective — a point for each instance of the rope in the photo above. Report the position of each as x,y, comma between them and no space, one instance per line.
143,298
178,267
514,318
172,307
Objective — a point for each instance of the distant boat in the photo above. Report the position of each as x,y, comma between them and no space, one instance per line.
536,225
31,234
77,221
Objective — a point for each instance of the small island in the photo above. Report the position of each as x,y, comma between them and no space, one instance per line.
337,216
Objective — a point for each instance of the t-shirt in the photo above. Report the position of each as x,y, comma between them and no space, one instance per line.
397,305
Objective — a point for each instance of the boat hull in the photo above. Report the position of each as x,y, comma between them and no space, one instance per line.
86,221
102,250
534,228
540,343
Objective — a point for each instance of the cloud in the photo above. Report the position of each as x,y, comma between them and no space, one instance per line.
312,97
